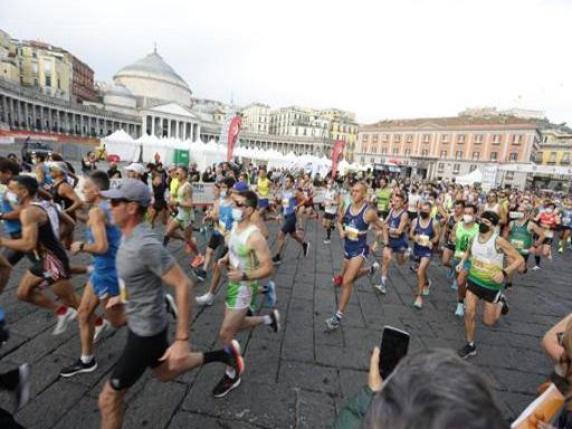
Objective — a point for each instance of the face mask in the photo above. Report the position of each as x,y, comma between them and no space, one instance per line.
468,218
483,228
237,214
516,215
12,198
223,194
424,215
549,210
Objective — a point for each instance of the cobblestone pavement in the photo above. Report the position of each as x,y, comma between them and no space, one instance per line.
300,377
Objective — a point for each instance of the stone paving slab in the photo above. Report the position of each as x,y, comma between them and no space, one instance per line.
302,376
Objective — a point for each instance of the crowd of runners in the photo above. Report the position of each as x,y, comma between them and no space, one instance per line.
485,239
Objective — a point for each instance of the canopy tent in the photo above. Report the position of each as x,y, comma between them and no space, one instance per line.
123,146
468,179
535,168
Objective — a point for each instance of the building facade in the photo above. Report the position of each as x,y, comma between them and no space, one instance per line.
83,85
555,147
256,118
443,148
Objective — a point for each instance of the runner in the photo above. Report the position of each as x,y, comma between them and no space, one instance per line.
143,265
103,239
486,276
413,203
248,260
289,197
549,220
463,235
565,224
452,220
383,198
159,208
40,232
332,202
395,235
353,227
425,233
520,234
263,188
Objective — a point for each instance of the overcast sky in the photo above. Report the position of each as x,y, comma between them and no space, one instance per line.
380,59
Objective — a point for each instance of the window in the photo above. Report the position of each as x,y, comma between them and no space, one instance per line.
517,139
385,138
374,148
552,157
409,138
441,167
444,138
461,138
397,138
478,138
476,156
395,151
48,80
472,167
384,150
459,154
509,175
456,168
407,152
365,148
372,160
443,154
364,138
494,156
513,156
362,160
565,158
48,68
35,68
374,138
426,138
497,138
424,152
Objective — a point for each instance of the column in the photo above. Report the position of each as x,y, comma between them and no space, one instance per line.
152,125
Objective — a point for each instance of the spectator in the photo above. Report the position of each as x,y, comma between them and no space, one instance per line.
136,171
194,173
208,176
430,389
113,172
88,163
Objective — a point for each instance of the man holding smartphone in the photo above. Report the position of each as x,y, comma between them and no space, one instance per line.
486,278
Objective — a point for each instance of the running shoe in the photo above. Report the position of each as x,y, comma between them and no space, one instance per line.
275,316
236,359
78,367
65,316
270,294
418,302
327,241
381,288
535,268
332,323
305,247
198,261
373,269
455,285
225,385
22,391
171,306
460,310
101,325
276,260
205,300
337,280
201,274
467,351
427,288
4,333
502,301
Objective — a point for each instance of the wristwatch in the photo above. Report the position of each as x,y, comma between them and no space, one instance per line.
244,276
81,246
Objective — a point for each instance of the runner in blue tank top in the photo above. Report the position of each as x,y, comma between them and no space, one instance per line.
425,233
289,202
353,227
395,235
103,239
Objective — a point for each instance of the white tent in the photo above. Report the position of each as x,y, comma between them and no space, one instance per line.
122,145
471,178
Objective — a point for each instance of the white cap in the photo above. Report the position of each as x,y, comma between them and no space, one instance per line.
136,167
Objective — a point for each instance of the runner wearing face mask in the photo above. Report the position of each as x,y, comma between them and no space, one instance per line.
452,220
520,234
425,233
548,219
331,205
463,235
565,225
487,273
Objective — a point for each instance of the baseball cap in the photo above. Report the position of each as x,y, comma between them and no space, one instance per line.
57,165
136,167
131,190
240,187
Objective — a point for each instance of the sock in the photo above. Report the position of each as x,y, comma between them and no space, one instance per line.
86,358
472,343
460,301
329,233
267,319
230,372
9,380
537,260
62,310
165,241
221,355
339,315
383,279
277,257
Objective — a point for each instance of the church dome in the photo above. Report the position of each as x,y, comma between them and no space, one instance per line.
152,80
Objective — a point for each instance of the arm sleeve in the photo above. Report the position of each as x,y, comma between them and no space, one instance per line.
157,258
351,416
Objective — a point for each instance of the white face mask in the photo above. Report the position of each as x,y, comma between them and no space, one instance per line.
223,194
468,218
549,210
237,214
12,198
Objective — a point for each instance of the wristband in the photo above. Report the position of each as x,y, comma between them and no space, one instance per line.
81,246
244,277
182,339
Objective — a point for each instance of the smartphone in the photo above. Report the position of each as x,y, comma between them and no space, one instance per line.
394,345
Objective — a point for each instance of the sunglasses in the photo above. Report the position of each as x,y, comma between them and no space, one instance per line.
114,202
240,205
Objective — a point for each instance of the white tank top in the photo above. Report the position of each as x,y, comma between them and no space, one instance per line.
241,257
487,252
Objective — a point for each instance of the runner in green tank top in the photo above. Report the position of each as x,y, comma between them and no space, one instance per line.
383,196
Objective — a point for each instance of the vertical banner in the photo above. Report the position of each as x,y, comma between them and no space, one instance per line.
337,152
232,139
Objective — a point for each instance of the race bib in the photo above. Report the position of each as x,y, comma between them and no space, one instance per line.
548,233
352,233
517,244
285,203
566,220
424,240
